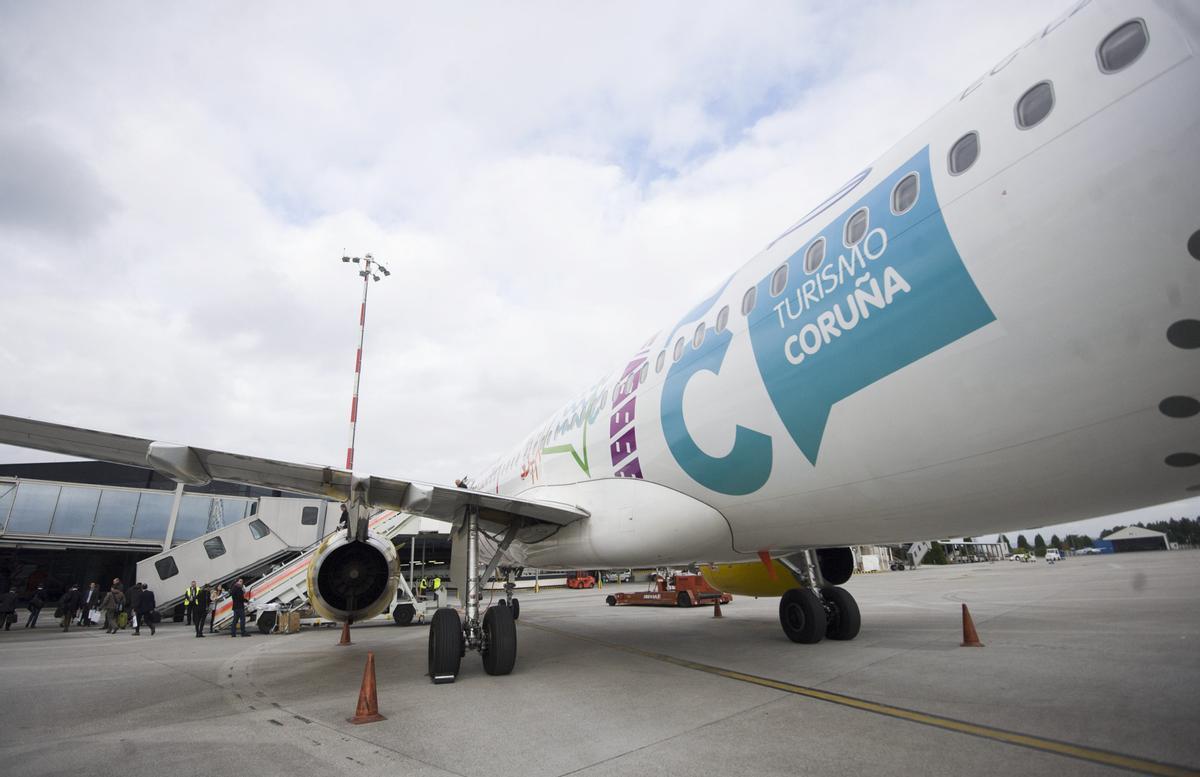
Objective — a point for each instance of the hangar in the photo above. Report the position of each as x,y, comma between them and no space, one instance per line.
1136,538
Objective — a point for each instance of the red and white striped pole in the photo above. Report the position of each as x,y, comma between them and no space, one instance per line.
368,274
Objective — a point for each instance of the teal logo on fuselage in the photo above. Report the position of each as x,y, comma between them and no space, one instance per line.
898,294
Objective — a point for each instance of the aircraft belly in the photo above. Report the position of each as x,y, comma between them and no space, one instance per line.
632,522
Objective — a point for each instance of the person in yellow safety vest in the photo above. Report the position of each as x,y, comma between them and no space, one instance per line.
421,586
190,597
437,583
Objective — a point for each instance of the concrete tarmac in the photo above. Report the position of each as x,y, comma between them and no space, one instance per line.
1101,652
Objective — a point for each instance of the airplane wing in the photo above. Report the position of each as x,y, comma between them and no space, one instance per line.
199,466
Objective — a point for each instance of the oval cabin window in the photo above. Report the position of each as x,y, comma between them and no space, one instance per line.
722,319
779,281
963,153
904,196
678,353
1122,47
748,300
662,359
856,227
1035,105
814,256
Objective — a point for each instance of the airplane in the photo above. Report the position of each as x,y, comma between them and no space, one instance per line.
994,324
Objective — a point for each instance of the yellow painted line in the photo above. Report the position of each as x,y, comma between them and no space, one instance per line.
1080,752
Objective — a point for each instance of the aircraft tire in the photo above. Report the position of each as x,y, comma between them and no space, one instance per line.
266,621
611,600
843,619
403,614
500,630
445,646
516,609
802,616
682,599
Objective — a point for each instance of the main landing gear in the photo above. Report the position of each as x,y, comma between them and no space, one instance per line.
494,635
808,617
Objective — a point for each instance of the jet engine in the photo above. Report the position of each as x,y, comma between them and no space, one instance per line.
353,580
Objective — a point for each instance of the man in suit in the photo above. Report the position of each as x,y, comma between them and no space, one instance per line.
36,602
145,609
89,600
200,603
238,594
69,603
131,607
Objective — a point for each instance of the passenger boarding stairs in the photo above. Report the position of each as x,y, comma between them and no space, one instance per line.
278,528
287,587
916,552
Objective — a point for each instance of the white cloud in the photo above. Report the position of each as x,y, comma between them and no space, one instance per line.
171,264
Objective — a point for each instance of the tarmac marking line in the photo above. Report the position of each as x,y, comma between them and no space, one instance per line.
1080,752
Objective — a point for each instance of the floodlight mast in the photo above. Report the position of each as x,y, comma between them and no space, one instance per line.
368,274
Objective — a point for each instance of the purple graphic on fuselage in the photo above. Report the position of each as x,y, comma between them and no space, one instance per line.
622,437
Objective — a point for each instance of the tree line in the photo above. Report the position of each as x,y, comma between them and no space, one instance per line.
1181,531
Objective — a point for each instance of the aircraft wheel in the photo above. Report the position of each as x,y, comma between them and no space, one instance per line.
403,614
611,600
516,609
500,631
683,600
802,616
843,619
266,621
445,646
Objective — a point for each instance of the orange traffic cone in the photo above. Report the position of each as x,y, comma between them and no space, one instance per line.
970,637
717,609
345,640
368,701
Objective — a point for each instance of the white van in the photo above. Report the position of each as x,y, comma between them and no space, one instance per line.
1052,554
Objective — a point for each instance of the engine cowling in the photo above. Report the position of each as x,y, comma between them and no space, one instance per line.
352,580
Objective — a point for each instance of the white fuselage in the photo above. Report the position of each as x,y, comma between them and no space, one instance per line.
992,358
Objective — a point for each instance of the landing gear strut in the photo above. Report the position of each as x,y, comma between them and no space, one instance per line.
807,617
494,635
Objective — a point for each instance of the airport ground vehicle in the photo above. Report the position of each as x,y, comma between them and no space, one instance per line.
581,580
1052,554
681,590
618,576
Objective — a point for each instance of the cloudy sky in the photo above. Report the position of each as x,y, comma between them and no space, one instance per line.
178,182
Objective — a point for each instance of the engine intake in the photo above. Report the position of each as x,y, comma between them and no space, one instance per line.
351,580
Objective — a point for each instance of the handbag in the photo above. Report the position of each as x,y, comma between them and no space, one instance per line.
95,616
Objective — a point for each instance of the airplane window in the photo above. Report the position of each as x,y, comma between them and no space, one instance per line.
748,300
779,281
678,354
904,196
1035,105
662,359
963,153
643,372
166,568
814,256
722,319
1123,46
856,227
698,338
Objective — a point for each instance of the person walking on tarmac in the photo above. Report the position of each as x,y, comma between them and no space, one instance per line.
113,601
8,608
202,597
36,603
145,609
189,602
437,589
89,600
131,608
213,597
67,605
238,594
